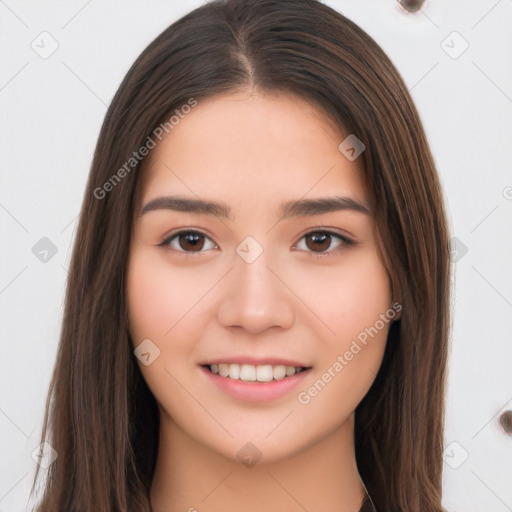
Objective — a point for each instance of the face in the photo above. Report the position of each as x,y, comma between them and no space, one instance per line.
256,284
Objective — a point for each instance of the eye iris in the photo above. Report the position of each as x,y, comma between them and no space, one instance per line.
323,238
195,240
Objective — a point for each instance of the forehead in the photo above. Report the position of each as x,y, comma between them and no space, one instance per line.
248,147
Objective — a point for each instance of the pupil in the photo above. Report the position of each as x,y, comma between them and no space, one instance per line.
194,239
323,238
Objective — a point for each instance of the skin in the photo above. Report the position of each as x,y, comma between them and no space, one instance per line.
254,151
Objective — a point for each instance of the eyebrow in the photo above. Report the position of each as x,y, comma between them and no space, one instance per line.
294,208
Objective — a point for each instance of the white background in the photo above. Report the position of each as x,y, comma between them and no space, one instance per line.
50,115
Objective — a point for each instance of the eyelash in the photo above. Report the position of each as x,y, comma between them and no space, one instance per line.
345,241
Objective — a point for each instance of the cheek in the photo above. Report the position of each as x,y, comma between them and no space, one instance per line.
351,301
364,297
348,298
158,302
153,304
350,358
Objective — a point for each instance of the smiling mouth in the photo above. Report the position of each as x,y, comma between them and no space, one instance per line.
254,373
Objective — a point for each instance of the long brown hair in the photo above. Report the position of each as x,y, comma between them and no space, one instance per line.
101,418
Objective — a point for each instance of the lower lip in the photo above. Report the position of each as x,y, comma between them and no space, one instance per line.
256,391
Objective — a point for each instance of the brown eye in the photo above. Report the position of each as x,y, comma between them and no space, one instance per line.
188,241
191,241
320,242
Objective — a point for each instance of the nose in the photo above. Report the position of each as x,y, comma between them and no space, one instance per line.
256,297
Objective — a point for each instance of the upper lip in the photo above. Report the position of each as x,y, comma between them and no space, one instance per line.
274,361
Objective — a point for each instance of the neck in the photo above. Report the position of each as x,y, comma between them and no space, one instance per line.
189,476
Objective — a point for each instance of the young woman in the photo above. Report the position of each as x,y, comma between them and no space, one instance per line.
257,307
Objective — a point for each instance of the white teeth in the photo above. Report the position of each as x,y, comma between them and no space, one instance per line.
279,372
264,373
248,372
290,370
252,373
223,369
234,371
